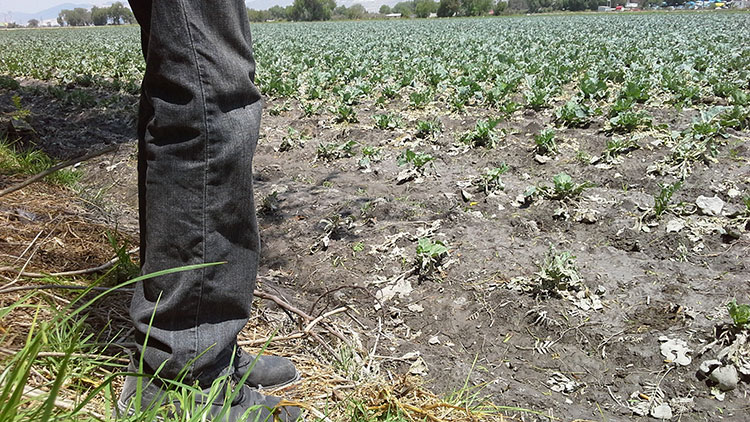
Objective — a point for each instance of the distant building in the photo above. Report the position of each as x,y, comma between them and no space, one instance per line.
49,22
393,15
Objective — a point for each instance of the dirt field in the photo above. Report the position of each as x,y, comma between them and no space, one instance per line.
337,233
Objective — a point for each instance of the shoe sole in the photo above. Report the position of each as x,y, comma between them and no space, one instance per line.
297,378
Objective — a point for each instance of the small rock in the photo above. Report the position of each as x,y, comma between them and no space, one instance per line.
707,366
726,377
662,411
434,340
709,206
541,159
415,307
675,225
466,196
733,193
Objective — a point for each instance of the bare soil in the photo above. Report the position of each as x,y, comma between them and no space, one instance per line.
471,320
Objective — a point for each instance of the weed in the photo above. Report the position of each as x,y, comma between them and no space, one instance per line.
333,151
309,108
483,135
292,140
583,157
545,142
277,110
20,112
125,269
33,161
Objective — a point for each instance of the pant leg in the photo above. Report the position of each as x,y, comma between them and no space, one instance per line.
198,129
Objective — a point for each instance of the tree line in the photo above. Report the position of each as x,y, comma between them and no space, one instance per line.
116,14
316,10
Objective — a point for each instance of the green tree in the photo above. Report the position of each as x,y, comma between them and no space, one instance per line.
518,5
258,15
384,9
76,17
99,15
312,10
500,6
120,14
475,7
448,8
278,13
33,23
406,8
423,8
357,11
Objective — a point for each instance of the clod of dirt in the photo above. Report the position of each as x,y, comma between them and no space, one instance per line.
662,411
726,377
708,366
709,206
675,225
675,350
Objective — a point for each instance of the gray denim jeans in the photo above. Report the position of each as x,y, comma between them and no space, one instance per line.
198,128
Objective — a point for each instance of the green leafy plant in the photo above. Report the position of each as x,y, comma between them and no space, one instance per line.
592,87
29,161
417,159
573,114
345,113
740,314
544,142
490,181
420,99
370,155
618,146
387,121
563,187
430,254
558,272
662,200
483,135
428,128
333,151
629,121
636,90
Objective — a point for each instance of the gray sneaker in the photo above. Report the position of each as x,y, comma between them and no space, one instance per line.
248,405
266,372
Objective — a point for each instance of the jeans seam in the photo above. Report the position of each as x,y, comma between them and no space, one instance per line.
205,175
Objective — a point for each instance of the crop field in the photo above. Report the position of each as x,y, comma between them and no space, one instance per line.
529,218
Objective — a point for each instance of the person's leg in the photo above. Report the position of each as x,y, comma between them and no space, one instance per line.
200,115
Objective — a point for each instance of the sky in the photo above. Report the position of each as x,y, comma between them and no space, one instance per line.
32,6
